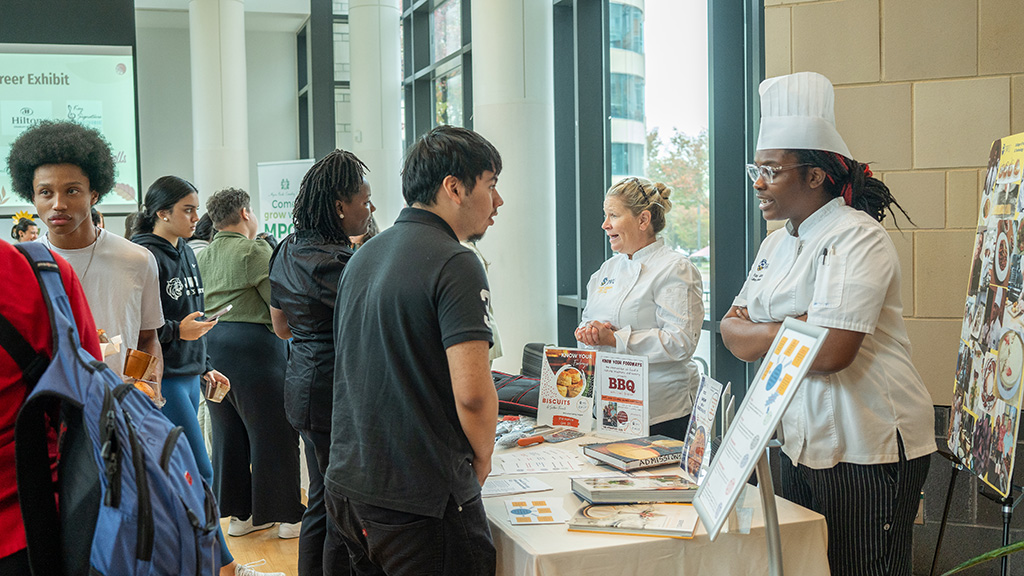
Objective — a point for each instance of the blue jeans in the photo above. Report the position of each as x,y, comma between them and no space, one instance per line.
182,407
382,541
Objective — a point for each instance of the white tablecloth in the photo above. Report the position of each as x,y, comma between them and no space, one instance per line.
551,550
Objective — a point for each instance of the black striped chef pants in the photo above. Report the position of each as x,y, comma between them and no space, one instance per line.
869,511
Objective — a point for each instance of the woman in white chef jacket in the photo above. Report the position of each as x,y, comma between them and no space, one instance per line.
646,300
860,429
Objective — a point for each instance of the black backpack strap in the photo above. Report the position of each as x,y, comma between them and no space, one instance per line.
32,362
36,488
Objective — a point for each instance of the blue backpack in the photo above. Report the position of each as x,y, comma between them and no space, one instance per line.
131,500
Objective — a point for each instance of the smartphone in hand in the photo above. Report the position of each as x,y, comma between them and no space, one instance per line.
216,314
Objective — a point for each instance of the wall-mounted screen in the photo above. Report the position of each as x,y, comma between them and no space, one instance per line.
93,85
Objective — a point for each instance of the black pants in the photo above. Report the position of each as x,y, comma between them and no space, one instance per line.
321,548
255,450
869,511
675,428
382,541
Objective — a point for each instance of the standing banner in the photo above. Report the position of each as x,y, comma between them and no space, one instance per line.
771,391
279,185
622,395
987,386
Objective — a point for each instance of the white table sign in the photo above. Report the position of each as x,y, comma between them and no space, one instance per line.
622,406
771,391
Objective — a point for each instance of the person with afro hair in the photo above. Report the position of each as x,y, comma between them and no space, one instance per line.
64,169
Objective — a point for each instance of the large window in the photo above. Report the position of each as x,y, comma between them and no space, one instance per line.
609,109
626,27
436,65
627,98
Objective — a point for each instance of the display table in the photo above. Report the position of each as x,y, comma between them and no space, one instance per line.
551,550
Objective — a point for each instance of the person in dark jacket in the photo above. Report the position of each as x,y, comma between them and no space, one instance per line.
333,205
165,223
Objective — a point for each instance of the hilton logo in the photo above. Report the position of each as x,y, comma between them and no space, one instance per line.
26,111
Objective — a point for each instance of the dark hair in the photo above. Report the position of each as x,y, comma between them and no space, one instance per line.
866,193
51,142
224,205
129,224
97,216
445,151
204,229
337,176
22,226
163,194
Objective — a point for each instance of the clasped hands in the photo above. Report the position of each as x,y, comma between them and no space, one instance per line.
596,333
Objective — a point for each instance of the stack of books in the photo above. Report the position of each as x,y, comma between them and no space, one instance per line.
642,505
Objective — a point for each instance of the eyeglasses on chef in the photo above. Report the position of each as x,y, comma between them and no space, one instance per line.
755,171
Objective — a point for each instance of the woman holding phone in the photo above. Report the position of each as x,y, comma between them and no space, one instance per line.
163,226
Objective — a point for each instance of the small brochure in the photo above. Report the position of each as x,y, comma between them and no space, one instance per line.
567,388
508,486
622,394
698,435
549,511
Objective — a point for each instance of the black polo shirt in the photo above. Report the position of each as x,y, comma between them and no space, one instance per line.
304,273
396,440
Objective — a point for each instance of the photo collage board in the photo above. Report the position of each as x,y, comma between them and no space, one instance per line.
990,362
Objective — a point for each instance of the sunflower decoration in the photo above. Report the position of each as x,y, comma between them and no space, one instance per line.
21,214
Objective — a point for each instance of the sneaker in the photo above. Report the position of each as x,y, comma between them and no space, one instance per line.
238,527
248,570
289,531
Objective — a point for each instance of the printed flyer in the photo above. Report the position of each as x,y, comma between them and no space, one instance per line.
768,395
622,395
987,386
567,388
698,435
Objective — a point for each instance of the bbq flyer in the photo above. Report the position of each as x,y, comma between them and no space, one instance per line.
622,406
987,387
567,388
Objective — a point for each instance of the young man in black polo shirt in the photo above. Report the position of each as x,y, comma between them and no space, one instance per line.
414,404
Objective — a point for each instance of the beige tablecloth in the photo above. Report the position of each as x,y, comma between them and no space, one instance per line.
551,550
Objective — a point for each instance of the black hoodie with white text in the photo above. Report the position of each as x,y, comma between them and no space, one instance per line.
181,293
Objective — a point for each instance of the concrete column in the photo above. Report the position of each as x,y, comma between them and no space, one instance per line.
377,99
513,107
220,132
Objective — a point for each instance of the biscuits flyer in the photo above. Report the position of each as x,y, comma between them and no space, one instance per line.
567,388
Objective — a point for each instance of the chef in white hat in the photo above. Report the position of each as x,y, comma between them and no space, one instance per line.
860,428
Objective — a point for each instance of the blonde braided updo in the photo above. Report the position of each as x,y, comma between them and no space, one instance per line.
639,194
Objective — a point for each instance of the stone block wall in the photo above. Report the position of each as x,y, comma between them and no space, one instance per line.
923,87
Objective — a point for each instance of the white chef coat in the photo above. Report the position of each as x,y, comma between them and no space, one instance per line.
842,270
654,302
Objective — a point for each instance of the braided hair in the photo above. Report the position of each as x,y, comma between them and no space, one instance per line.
337,176
853,181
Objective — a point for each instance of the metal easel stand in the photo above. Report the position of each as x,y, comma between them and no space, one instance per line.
763,470
1007,506
771,514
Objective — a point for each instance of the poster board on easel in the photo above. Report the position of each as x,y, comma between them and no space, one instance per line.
772,389
982,431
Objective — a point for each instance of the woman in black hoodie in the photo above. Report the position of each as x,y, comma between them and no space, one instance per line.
163,226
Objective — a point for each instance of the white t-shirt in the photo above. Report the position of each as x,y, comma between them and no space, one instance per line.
654,301
842,270
122,286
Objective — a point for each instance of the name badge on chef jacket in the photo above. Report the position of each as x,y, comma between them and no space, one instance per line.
606,285
828,284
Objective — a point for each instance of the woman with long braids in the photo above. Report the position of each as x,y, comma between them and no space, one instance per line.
167,220
332,206
859,432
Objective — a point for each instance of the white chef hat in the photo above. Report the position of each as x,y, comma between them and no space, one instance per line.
798,112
